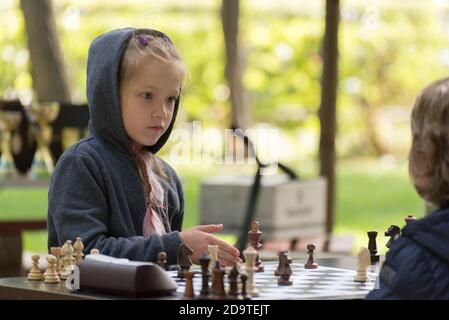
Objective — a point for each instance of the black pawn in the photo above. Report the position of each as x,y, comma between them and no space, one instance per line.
245,295
310,264
204,262
233,284
372,247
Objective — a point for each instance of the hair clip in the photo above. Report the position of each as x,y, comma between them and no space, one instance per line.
143,40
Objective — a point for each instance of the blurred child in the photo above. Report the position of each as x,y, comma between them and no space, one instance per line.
417,265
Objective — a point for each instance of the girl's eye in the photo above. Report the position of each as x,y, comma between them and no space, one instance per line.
172,99
147,96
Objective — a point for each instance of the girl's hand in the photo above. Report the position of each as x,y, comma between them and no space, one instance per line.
199,237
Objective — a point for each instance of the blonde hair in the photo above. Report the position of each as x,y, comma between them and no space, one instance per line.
429,153
143,44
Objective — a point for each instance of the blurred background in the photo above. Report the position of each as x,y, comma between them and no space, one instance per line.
284,54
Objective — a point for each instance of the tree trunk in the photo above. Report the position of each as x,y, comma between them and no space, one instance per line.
240,114
371,120
47,64
327,112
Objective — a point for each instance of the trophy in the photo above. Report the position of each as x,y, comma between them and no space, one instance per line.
9,120
41,114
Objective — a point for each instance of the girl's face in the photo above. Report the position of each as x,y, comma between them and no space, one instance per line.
147,99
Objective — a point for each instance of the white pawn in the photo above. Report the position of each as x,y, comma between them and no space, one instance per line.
363,262
213,254
35,273
250,256
51,275
94,251
78,247
68,260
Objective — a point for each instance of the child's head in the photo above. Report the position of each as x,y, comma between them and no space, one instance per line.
150,79
429,154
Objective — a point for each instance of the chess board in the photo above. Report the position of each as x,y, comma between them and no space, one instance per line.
321,283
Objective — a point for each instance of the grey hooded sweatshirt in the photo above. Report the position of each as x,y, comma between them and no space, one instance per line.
95,191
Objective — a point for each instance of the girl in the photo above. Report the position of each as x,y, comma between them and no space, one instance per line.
417,265
110,188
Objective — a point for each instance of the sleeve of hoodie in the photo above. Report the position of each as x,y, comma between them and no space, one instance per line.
78,207
406,273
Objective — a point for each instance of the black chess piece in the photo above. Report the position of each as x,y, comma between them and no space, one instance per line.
310,264
409,219
184,262
276,271
285,271
372,247
393,232
162,260
204,262
219,292
245,294
233,284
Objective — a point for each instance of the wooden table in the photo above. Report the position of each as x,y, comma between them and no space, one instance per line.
21,288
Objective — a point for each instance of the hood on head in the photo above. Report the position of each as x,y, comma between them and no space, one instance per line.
103,67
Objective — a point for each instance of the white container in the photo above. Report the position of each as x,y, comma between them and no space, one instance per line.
285,209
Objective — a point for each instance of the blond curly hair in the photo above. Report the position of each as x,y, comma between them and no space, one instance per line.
429,156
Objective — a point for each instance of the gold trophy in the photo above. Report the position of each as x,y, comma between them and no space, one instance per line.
41,114
9,120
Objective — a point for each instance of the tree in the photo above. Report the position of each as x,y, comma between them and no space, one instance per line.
47,64
240,115
327,111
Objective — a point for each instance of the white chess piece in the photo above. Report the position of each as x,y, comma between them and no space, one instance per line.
250,256
94,251
51,275
56,251
213,254
35,272
68,260
364,261
78,247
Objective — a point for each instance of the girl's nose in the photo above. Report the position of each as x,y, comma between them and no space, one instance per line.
161,112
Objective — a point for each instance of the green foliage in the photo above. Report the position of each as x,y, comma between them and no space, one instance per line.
384,61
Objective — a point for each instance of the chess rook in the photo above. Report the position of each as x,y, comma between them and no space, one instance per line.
372,247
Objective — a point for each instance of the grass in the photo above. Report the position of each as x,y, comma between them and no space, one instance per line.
370,196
